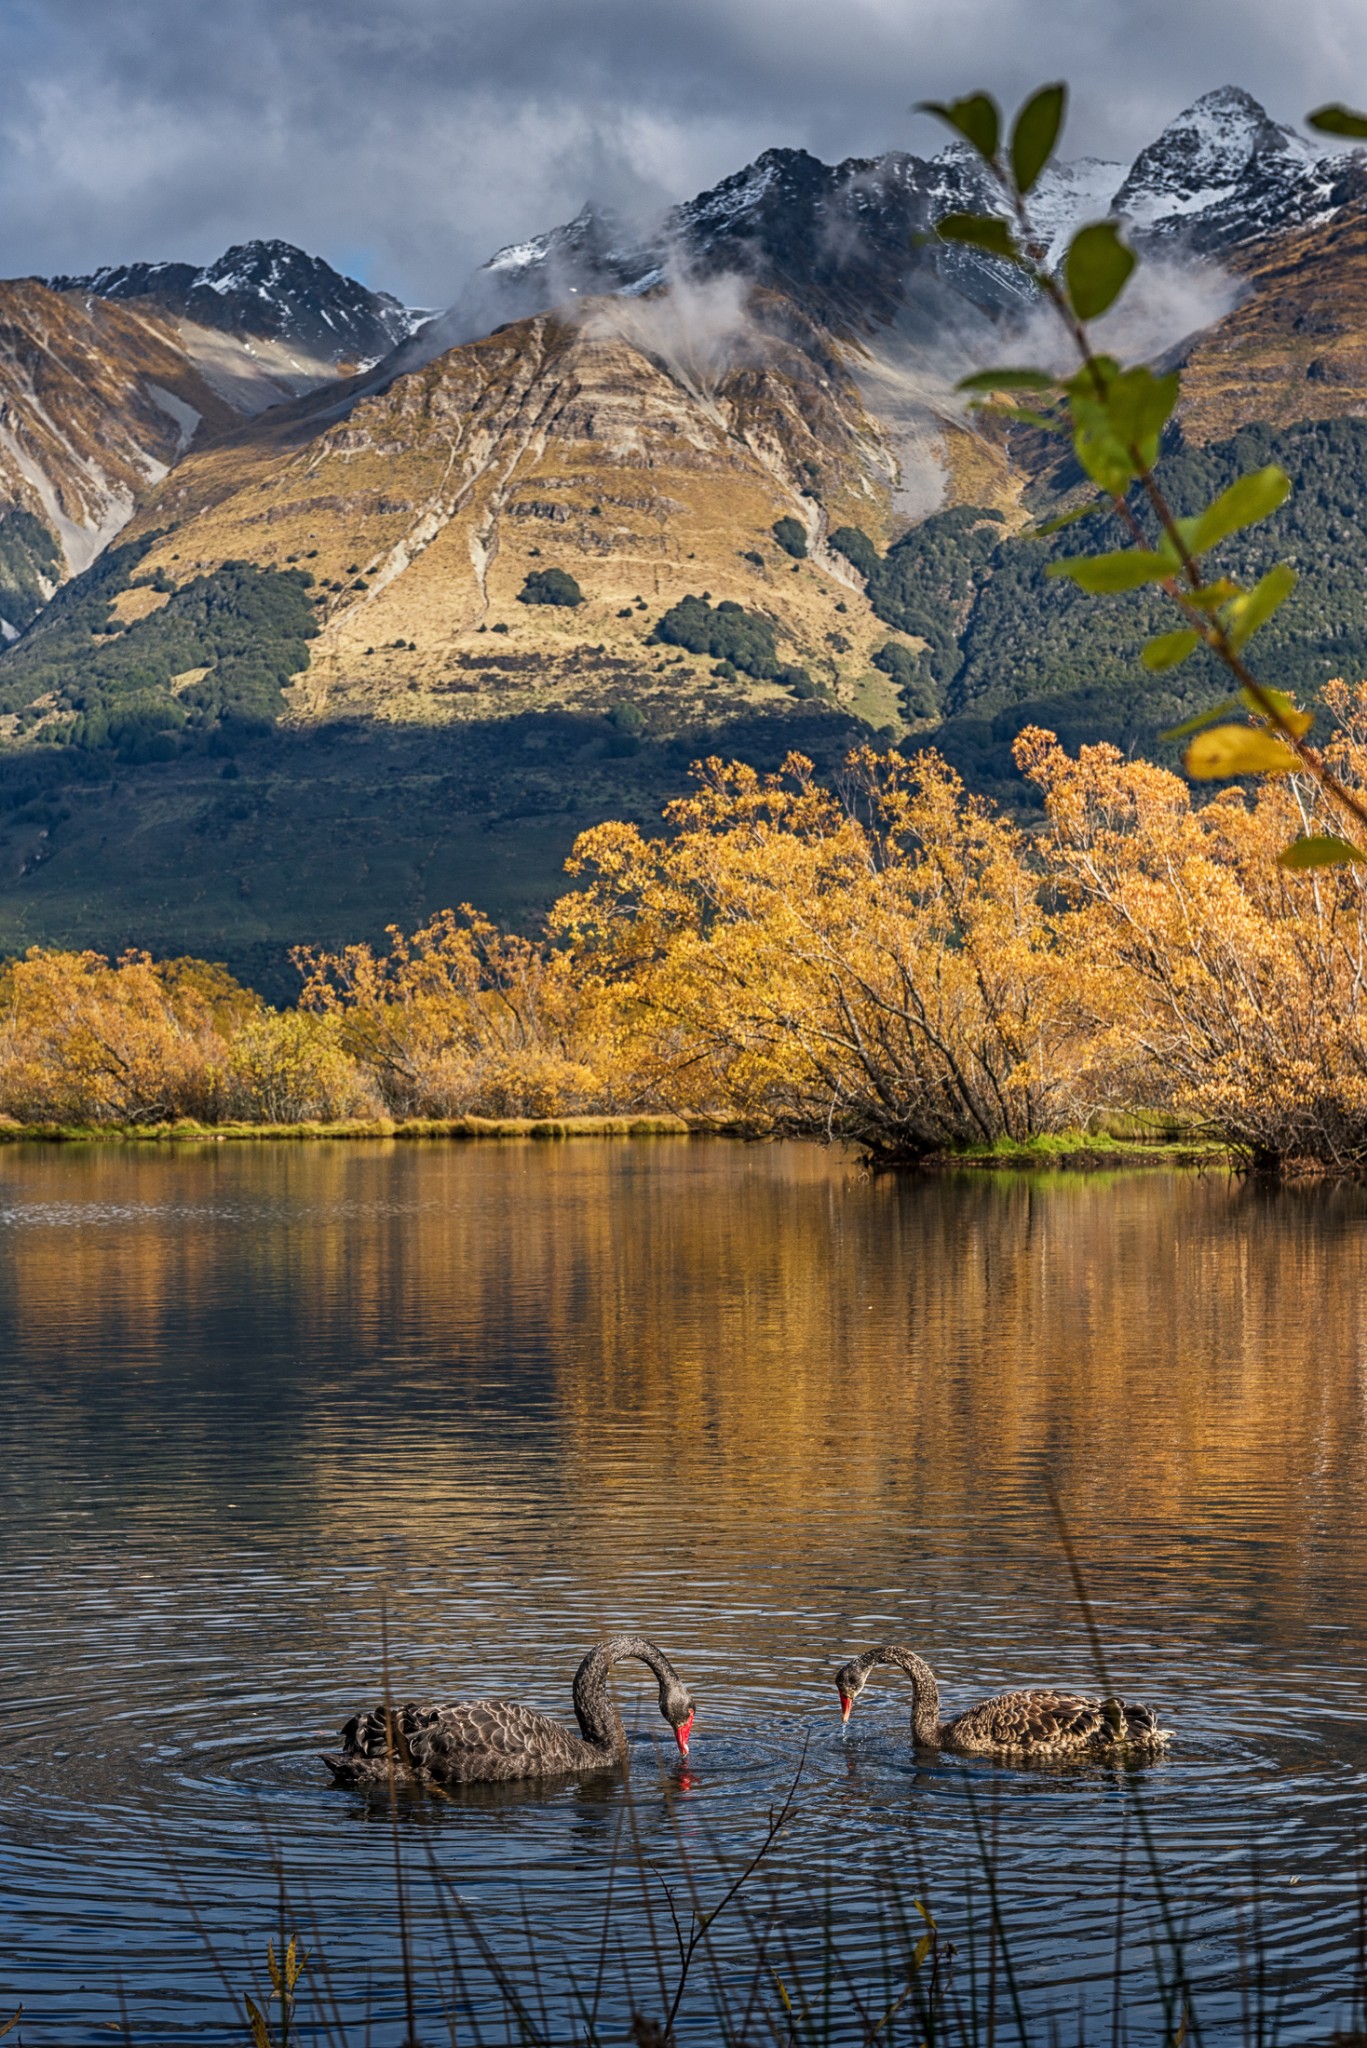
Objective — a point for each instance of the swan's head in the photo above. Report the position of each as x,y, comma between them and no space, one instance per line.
849,1683
676,1705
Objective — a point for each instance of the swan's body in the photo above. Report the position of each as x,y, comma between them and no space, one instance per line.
476,1741
1039,1722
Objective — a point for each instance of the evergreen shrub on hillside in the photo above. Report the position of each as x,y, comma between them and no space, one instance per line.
914,687
791,537
727,633
550,586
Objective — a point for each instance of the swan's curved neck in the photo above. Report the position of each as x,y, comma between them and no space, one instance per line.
925,1693
594,1707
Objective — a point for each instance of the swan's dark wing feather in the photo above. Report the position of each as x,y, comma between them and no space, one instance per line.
1044,1722
496,1739
471,1742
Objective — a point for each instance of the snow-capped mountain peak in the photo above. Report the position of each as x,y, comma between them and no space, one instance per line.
593,251
267,289
1202,157
1069,194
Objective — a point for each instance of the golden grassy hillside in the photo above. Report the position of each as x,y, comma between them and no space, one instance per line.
1295,348
565,441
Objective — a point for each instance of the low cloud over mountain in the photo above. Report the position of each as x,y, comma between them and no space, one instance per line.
404,142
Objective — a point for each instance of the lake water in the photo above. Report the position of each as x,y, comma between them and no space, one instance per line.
755,1404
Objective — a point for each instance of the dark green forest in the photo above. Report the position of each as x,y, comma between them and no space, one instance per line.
247,627
30,563
1008,646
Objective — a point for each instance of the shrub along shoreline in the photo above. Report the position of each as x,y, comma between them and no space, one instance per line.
891,964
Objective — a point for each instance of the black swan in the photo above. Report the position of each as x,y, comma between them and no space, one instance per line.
475,1741
1039,1722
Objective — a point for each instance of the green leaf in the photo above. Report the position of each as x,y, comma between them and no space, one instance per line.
1319,851
975,117
1007,380
1096,269
1200,718
1248,499
985,231
1211,596
1124,569
1056,525
1238,750
1253,608
1169,650
1035,133
1338,120
1117,428
1022,414
1257,701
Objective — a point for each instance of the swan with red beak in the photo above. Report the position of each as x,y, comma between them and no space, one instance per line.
472,1741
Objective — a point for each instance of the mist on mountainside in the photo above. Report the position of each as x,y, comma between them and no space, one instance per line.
698,328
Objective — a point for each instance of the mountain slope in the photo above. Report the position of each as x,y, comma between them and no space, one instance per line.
645,460
96,403
1295,348
752,409
106,381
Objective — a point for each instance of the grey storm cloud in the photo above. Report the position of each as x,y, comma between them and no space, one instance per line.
405,142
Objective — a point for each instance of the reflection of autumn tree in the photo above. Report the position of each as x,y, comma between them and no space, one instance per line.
1231,987
874,966
597,1347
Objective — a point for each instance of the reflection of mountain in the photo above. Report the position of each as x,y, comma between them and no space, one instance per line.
670,1354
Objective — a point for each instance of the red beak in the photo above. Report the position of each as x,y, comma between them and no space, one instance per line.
846,1702
681,1732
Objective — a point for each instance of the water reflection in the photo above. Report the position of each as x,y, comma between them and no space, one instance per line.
750,1401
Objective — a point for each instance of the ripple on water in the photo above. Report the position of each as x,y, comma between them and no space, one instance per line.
745,1401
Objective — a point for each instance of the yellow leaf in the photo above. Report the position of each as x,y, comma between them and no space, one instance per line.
1237,750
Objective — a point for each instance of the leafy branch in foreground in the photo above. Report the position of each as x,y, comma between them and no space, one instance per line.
1115,416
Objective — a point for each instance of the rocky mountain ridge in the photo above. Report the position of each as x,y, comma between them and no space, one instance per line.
269,291
1221,172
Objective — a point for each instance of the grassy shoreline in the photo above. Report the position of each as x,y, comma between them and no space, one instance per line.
1081,1151
185,1130
1087,1151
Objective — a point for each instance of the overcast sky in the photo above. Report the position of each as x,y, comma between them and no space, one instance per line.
406,139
